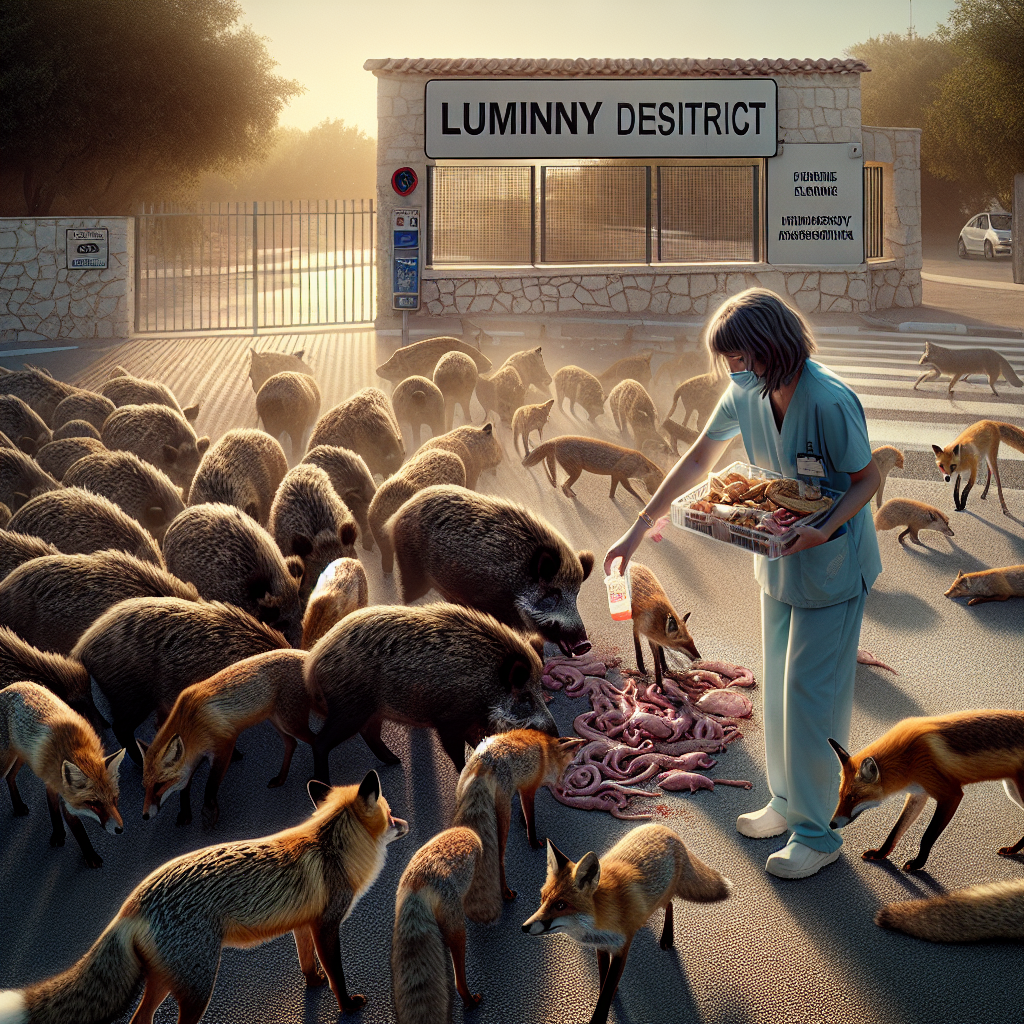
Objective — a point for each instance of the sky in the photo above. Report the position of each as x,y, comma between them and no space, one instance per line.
323,43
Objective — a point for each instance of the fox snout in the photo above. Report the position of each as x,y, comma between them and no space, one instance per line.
533,926
114,824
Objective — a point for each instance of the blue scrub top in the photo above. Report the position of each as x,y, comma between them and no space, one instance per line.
824,418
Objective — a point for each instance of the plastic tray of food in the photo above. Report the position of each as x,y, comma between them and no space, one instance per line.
741,524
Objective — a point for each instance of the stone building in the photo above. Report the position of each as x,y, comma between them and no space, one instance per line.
590,187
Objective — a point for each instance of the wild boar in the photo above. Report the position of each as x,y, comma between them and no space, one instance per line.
90,406
416,401
478,448
21,478
289,403
75,428
365,424
57,457
340,590
263,366
22,425
124,389
351,480
40,391
420,358
18,548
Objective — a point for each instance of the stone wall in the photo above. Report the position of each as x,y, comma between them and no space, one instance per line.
44,301
898,150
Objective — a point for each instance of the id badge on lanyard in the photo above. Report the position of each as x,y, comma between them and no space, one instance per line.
809,464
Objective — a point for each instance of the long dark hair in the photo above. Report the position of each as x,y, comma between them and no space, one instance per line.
759,324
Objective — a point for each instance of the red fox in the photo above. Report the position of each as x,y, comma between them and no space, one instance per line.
990,911
655,618
430,923
989,584
523,760
207,718
932,757
169,932
576,454
980,440
965,362
40,730
604,903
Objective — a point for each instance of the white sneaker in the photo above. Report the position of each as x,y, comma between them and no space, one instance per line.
795,860
761,824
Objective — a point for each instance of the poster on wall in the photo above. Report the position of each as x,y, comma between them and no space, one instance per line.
816,204
87,249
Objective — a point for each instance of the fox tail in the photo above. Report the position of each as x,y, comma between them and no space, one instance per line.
1012,435
543,453
477,810
420,967
1008,374
100,987
991,911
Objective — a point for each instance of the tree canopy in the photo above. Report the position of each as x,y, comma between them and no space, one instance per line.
104,103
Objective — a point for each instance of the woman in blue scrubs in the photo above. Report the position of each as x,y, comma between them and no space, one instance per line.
799,419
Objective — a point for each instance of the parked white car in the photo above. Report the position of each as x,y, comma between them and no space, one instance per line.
987,234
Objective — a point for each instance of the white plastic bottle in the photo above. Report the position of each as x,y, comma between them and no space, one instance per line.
619,603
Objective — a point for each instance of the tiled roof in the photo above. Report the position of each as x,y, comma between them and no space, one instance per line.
646,67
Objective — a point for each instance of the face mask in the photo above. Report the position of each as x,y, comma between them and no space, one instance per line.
747,380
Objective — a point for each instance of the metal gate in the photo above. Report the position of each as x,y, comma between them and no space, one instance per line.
253,265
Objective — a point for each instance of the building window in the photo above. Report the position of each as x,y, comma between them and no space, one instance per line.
874,213
595,212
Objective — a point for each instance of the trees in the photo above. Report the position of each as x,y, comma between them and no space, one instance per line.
103,103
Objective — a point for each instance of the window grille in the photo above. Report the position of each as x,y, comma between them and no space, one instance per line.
595,214
481,215
874,214
707,214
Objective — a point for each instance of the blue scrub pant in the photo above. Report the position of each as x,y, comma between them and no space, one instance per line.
810,664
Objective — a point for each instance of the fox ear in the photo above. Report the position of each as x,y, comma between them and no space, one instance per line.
868,771
570,742
143,748
670,625
113,762
174,753
956,451
686,616
318,791
587,873
74,777
840,753
556,859
369,788
936,449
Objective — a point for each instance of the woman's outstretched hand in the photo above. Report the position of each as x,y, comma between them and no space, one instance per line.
624,547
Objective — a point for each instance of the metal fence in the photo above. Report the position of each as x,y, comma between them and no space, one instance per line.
253,265
874,213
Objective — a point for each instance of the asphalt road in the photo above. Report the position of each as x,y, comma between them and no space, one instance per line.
776,951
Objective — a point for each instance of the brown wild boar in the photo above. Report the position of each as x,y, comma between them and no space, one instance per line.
655,618
529,363
244,468
456,376
425,468
581,388
351,480
5,515
207,719
340,590
310,521
700,394
124,389
57,457
527,419
416,401
230,557
90,406
676,432
77,521
23,426
636,368
52,600
75,428
914,515
503,392
18,548
631,406
365,424
437,666
137,487
159,435
886,458
263,366
22,478
38,389
577,455
144,651
289,403
478,448
494,555
420,358
66,678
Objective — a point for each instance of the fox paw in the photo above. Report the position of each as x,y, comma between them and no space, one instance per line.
874,855
93,860
1009,851
183,819
20,810
350,1003
315,979
510,894
473,1000
276,782
913,865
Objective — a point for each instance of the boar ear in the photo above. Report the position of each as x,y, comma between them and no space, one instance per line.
556,859
294,566
587,561
587,873
544,564
868,771
174,753
113,762
202,444
170,454
369,788
936,449
537,350
318,791
348,533
548,404
300,353
301,545
840,753
488,428
191,413
514,672
74,777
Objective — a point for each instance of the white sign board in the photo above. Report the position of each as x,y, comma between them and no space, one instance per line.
86,249
506,119
816,204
